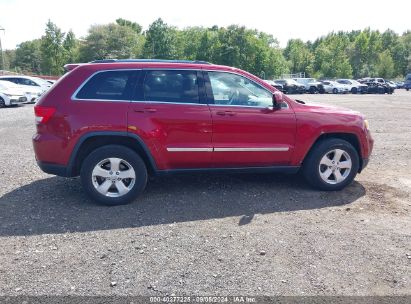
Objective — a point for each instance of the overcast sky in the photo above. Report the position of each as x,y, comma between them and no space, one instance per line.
305,19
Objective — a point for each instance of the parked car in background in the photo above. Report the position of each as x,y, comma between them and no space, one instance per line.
334,87
51,81
290,86
392,84
32,93
311,85
400,84
407,82
28,81
374,87
229,120
354,86
11,94
388,88
275,85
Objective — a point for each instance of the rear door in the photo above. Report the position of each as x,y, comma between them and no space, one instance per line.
170,113
247,131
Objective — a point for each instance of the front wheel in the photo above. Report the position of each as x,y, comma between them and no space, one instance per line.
332,164
113,175
335,91
2,103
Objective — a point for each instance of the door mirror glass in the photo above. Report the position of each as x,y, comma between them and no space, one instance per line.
278,98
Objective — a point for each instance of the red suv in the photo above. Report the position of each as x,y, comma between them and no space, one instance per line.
115,121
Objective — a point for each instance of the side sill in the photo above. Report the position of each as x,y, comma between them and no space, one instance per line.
282,169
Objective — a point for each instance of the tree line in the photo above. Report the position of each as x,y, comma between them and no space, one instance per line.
352,54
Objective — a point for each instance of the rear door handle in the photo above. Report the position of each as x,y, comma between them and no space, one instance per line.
223,113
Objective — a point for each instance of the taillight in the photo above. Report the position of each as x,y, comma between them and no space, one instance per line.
43,114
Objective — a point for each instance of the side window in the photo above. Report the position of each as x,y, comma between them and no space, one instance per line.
231,89
27,82
171,86
109,85
14,80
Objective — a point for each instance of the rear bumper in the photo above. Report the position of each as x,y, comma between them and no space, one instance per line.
54,169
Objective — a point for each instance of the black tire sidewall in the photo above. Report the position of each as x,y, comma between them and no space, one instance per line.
311,164
120,152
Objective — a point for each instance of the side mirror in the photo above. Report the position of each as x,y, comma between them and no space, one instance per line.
278,99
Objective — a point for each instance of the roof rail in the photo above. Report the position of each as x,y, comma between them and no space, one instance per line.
150,60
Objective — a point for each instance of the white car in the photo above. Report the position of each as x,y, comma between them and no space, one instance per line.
354,86
11,94
28,81
32,93
335,87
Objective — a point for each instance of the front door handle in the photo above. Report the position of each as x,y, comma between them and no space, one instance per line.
150,110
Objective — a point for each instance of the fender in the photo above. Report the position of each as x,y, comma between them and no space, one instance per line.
83,138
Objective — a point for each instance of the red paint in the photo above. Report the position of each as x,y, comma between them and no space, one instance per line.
163,125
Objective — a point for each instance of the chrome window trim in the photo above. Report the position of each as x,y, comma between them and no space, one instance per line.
74,96
165,102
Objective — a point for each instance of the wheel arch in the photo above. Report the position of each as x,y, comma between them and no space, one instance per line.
91,141
349,137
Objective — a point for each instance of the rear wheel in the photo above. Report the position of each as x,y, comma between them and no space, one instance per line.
113,175
354,90
335,91
331,165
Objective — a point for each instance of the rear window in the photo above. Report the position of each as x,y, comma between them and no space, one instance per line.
171,86
108,85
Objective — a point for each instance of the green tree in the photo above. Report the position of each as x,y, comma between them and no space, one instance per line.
70,45
385,65
133,25
28,57
52,50
299,56
111,41
160,41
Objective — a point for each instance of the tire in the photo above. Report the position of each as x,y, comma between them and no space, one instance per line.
327,151
407,89
335,91
104,167
354,90
312,90
2,103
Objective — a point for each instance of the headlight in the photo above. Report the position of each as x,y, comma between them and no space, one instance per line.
366,124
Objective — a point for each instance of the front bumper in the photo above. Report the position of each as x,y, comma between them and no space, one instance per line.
17,100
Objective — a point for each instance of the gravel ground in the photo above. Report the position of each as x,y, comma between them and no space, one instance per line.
219,234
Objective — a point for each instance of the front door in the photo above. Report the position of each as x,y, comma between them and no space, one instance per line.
247,131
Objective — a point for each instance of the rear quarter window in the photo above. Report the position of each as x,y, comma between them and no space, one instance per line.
108,85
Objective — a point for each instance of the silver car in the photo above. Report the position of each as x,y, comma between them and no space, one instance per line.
335,87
